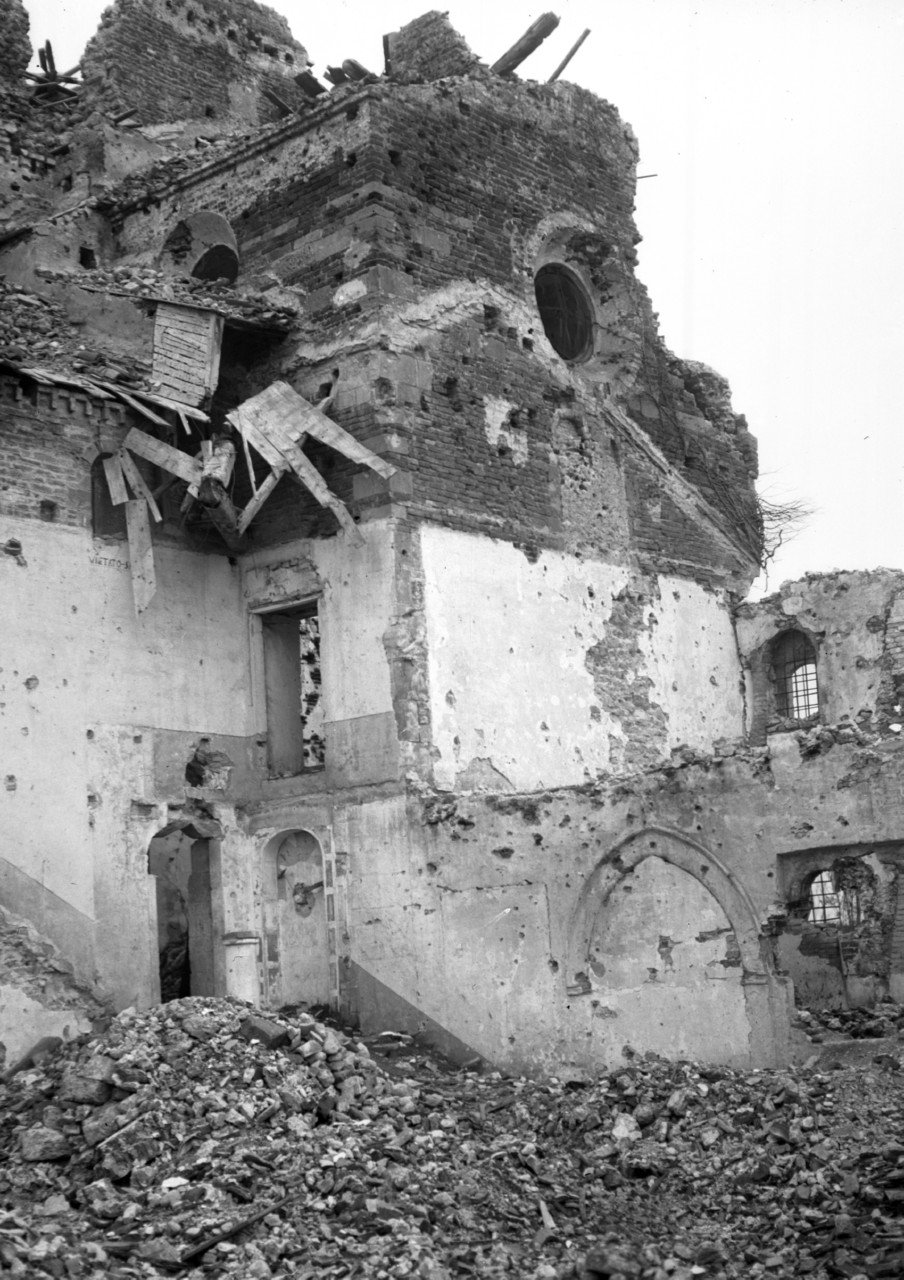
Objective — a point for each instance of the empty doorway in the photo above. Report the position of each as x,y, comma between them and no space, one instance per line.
180,865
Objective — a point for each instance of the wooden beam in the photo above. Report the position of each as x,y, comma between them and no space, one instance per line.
221,509
309,84
137,481
163,455
259,499
115,482
285,416
281,106
314,481
249,463
134,404
533,37
569,55
355,70
141,554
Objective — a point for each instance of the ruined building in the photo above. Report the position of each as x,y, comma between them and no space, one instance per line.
373,578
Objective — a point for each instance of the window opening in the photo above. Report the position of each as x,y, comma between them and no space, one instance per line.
565,311
831,904
794,672
108,519
824,905
292,677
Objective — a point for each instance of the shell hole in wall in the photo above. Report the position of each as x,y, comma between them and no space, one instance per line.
202,245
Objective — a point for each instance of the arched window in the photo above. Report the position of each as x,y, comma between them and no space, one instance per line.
202,245
565,311
794,676
108,519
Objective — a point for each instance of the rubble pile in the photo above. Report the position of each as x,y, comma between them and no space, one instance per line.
35,330
150,285
156,179
204,1135
874,1023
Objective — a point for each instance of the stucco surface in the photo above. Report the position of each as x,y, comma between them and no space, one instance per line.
511,644
79,662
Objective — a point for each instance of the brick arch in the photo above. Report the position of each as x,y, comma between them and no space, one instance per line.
687,855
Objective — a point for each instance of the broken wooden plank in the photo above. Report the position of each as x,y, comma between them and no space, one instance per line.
177,406
314,481
355,70
281,105
141,553
247,421
115,482
164,455
249,463
137,481
263,493
130,400
285,416
569,55
533,37
309,84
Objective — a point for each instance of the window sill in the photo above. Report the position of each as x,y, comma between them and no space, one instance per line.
307,783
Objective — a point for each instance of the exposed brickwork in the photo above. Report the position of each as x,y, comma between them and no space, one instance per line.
428,49
49,438
185,59
398,194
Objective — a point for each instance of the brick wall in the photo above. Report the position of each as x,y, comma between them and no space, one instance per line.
411,220
187,59
51,437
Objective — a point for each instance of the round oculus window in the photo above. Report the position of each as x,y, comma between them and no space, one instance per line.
565,311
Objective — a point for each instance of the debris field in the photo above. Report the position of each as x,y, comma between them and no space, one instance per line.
203,1136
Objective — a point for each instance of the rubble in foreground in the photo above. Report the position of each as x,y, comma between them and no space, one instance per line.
203,1136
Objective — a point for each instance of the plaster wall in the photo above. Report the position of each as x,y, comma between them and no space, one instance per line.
353,586
854,619
667,962
85,682
539,679
464,926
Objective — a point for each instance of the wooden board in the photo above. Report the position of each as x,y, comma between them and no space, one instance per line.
186,358
141,554
286,416
164,455
137,483
115,482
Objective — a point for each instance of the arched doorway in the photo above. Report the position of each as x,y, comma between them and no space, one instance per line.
295,920
665,946
180,862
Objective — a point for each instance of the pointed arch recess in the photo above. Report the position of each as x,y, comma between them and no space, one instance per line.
688,855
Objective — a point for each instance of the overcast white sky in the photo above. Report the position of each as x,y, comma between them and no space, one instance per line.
773,228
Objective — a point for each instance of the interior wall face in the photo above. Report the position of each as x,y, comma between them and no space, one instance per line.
86,685
546,672
295,924
462,921
353,590
667,964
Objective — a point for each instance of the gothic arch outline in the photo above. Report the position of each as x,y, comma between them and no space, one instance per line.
685,853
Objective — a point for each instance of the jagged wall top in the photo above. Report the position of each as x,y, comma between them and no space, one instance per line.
428,48
15,47
190,59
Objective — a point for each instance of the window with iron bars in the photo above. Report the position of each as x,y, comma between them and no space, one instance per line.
794,674
829,904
